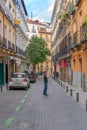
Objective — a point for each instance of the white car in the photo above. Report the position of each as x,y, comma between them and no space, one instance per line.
19,80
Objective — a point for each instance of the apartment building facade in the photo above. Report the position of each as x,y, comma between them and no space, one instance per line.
10,52
69,41
46,35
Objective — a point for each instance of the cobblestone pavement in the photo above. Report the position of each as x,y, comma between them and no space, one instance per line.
57,111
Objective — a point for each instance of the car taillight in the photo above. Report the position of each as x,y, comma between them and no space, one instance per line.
24,80
10,80
34,76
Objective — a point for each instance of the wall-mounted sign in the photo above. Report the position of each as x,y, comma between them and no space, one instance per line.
17,21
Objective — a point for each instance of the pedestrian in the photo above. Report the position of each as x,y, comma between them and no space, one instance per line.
54,74
45,83
57,75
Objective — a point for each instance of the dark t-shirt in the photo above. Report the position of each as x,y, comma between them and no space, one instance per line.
45,79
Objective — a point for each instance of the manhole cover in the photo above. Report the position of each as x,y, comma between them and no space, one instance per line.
24,125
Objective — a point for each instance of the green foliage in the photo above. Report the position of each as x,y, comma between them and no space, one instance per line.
85,22
59,17
64,15
36,50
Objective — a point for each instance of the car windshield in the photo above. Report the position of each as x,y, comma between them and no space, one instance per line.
17,75
32,72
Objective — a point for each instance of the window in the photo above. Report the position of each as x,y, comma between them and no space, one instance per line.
5,32
0,27
80,17
10,6
46,37
33,29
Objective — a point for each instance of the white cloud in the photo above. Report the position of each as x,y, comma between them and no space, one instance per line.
44,15
47,13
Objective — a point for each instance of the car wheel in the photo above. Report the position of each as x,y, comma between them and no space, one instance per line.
9,88
29,85
26,88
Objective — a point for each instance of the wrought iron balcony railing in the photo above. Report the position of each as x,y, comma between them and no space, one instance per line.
9,45
19,51
13,47
60,54
83,33
1,41
69,43
74,41
77,2
72,9
5,43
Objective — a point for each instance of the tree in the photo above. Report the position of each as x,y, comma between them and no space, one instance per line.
37,51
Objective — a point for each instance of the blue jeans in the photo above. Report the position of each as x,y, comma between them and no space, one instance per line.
45,88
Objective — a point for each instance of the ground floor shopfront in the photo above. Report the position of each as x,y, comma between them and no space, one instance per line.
10,64
79,67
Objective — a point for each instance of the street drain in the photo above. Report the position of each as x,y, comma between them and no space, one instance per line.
22,125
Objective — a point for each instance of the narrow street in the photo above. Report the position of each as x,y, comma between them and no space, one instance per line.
30,110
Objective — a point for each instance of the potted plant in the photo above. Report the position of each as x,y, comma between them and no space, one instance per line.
64,15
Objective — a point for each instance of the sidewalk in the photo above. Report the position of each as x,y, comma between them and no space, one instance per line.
77,94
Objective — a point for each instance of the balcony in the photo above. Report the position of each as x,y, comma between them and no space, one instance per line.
83,33
74,42
5,43
9,45
19,28
13,47
1,41
6,11
72,9
20,52
77,2
69,43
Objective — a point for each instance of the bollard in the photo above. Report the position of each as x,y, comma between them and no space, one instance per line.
86,104
77,97
59,82
1,89
7,86
67,89
70,92
63,86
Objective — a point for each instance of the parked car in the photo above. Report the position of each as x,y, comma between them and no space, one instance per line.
32,75
19,80
40,74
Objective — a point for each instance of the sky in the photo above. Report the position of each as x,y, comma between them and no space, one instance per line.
41,9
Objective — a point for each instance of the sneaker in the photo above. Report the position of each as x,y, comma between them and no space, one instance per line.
46,94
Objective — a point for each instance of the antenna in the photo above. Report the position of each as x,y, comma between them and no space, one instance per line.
31,15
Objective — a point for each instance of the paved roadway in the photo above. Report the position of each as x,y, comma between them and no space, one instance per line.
30,110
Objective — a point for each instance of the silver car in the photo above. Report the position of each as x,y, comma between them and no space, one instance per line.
19,80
